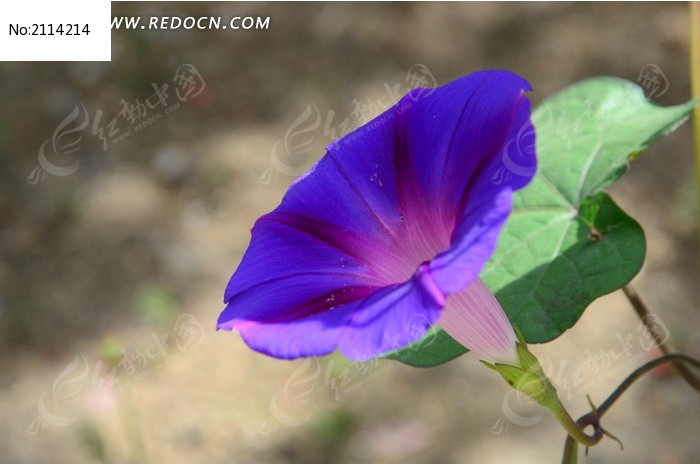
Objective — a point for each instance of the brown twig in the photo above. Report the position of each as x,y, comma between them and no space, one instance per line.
647,319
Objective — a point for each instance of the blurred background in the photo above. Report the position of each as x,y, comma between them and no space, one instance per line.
125,205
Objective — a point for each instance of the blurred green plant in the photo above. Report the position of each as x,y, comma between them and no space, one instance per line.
91,439
155,304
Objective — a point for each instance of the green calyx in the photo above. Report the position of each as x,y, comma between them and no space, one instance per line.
529,377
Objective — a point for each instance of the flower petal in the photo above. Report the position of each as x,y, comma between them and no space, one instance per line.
314,335
284,245
452,139
290,272
335,264
487,196
476,320
392,318
389,318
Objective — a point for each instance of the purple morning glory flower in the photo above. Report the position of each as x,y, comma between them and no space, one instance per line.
387,234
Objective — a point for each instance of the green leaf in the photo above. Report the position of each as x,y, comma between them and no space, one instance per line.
566,243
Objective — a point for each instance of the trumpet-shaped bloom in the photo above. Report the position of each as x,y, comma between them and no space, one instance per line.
387,234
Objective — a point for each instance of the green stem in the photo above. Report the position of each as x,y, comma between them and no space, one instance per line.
572,428
570,452
695,88
593,417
